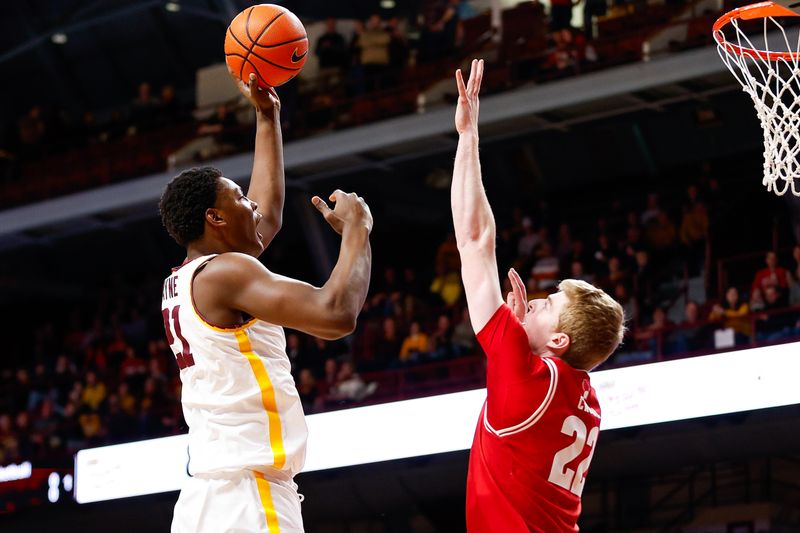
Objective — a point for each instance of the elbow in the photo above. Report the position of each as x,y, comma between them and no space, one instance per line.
270,228
346,324
476,238
339,327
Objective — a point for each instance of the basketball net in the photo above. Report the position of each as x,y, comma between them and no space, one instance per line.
770,74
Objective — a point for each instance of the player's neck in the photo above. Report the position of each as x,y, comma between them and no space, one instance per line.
202,247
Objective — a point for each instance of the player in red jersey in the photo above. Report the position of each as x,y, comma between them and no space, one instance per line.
538,429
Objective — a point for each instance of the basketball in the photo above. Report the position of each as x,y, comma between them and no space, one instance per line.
268,40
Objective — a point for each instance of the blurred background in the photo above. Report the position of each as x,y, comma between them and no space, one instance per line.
616,148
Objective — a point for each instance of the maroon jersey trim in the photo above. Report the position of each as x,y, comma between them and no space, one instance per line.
537,414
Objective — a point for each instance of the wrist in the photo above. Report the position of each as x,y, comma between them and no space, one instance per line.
270,117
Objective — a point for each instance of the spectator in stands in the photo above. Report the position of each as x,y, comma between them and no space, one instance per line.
218,135
660,236
545,269
563,242
651,211
692,335
628,303
132,370
772,275
447,258
118,423
388,345
38,390
562,53
144,108
294,352
650,338
694,233
447,286
579,253
62,379
151,408
464,341
644,281
615,274
560,15
577,271
8,443
756,300
350,387
94,392
398,51
333,54
440,342
372,42
592,9
529,240
88,131
31,131
127,402
44,430
414,346
22,431
794,277
169,110
734,314
774,322
307,389
601,255
329,376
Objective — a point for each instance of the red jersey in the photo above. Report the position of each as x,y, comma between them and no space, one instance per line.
535,438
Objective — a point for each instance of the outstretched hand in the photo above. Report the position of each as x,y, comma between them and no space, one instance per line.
468,103
266,101
517,298
349,209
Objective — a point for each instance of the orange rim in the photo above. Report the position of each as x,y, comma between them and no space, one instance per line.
753,11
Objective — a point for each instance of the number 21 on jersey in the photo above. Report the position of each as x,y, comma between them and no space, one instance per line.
560,474
184,357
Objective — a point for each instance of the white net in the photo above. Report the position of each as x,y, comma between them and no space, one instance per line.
771,77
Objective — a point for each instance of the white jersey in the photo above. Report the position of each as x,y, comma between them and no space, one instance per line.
238,397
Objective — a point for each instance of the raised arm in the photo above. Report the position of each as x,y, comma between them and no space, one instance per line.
267,180
238,282
472,216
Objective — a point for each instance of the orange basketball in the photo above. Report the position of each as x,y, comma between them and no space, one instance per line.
268,40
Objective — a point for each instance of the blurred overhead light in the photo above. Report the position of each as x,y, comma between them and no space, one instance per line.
59,38
172,7
387,4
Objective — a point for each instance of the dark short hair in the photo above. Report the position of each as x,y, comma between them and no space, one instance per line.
185,201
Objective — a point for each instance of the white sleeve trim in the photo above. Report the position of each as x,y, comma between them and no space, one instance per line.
537,414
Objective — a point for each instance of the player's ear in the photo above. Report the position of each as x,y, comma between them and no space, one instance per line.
214,217
559,343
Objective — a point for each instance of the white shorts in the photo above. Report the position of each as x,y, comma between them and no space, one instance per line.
238,502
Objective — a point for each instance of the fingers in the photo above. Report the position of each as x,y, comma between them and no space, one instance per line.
473,85
510,300
462,90
478,77
472,73
320,204
518,286
336,194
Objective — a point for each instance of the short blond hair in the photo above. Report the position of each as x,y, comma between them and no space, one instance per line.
594,322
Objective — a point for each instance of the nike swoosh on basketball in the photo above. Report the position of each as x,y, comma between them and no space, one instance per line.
297,58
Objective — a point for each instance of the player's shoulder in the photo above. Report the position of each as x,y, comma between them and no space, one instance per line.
229,267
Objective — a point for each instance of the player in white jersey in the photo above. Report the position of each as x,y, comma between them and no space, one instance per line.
224,314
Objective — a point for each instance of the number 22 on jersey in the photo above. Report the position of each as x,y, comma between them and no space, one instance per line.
184,357
560,474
